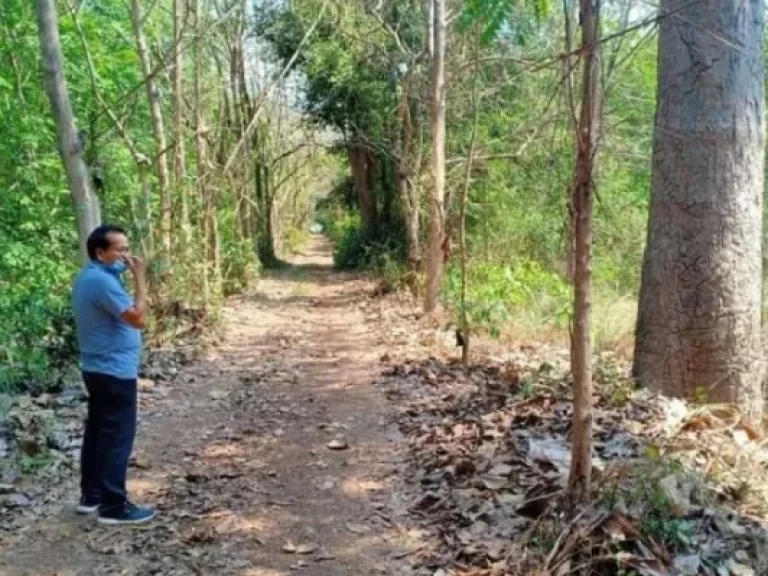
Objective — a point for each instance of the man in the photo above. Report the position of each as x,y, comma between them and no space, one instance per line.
109,324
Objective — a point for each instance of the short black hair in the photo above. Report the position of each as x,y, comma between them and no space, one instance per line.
98,238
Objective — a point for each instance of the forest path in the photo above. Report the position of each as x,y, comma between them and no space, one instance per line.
235,454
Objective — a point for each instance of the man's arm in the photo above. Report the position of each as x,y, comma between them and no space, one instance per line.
136,315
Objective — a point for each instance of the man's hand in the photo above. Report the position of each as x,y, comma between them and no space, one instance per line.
136,316
137,266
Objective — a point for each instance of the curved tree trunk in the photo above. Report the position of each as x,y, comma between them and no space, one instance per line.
698,329
86,204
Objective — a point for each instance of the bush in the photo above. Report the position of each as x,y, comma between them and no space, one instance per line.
357,249
37,338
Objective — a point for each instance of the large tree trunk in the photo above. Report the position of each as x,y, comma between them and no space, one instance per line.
698,328
582,202
86,204
436,225
158,128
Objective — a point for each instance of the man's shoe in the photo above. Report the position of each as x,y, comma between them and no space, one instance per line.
88,505
128,514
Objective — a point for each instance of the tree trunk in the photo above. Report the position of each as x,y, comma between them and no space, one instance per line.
200,148
404,177
158,128
178,91
465,327
436,227
583,194
86,204
698,328
179,13
359,162
569,16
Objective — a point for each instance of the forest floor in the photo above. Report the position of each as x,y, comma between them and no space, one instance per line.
329,431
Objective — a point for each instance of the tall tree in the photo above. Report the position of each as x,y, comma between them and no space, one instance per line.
583,192
71,145
698,328
158,128
436,225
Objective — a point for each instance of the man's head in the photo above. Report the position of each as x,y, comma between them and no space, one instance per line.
108,244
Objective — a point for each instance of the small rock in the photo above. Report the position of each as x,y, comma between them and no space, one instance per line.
59,440
338,444
17,501
688,565
678,493
737,569
146,384
742,556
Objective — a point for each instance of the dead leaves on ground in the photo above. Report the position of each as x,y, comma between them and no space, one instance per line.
489,456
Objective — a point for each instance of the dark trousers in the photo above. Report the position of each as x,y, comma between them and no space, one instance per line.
109,433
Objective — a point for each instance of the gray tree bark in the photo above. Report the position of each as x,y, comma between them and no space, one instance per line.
698,328
86,203
436,211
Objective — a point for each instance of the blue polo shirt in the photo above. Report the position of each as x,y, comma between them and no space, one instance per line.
108,345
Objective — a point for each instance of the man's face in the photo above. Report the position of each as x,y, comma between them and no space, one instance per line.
118,249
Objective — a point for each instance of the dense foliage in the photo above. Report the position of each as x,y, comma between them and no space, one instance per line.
523,159
219,217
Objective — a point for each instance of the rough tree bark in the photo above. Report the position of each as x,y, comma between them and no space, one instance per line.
698,328
158,128
582,205
85,202
436,225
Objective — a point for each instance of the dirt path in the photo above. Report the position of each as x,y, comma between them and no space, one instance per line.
234,451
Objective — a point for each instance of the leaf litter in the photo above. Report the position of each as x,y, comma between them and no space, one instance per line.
677,489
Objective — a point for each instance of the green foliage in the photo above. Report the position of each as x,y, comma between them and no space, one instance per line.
213,254
498,293
498,15
646,499
356,248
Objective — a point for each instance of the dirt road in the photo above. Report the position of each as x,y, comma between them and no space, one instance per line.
272,454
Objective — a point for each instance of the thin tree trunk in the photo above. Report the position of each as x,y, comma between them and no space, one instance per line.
436,228
158,129
465,328
200,152
178,91
404,176
85,202
179,12
583,194
569,12
698,329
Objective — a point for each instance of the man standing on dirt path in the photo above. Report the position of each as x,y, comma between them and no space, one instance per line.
109,324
